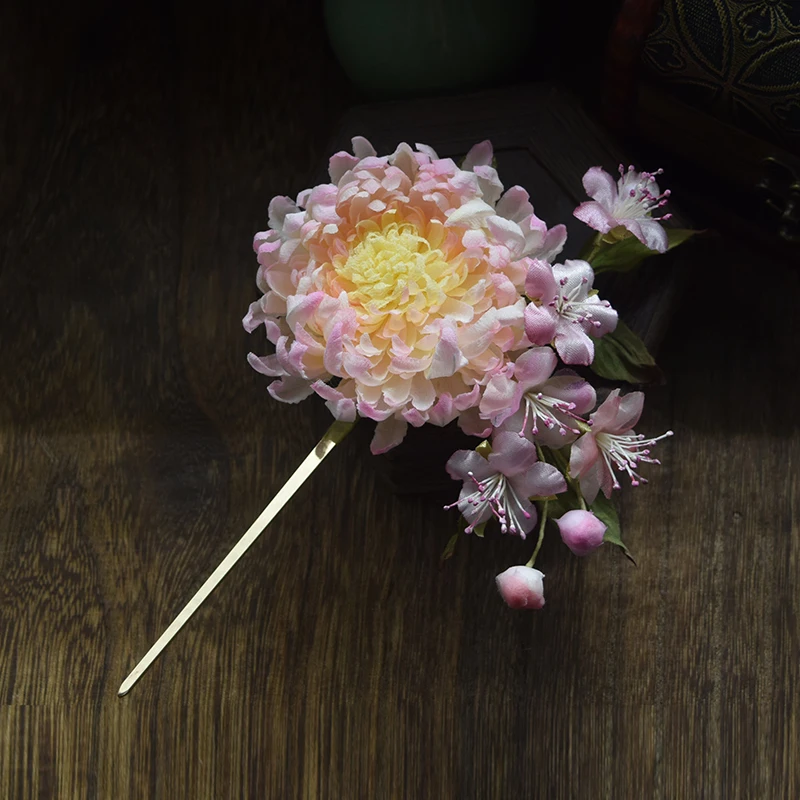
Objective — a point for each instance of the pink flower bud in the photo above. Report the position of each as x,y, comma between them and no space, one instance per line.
521,587
581,531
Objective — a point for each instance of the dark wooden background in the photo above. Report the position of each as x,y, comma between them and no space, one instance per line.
140,146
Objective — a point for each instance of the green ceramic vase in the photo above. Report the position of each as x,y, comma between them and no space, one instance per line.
392,48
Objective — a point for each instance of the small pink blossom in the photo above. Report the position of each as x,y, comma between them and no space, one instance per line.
581,531
521,587
529,399
629,202
502,484
612,443
565,311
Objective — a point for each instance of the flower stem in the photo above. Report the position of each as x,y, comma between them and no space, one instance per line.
563,465
542,523
592,248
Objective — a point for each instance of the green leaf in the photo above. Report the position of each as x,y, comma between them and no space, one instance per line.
478,530
604,510
449,549
622,356
626,254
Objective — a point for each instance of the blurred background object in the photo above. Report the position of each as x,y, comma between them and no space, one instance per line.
393,48
715,83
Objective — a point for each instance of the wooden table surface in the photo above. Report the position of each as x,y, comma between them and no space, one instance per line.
338,660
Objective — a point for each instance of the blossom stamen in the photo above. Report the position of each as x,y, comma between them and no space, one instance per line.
640,200
540,408
626,451
498,495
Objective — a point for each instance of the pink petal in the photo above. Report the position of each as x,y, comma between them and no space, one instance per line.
500,399
428,151
600,186
447,357
595,216
480,154
572,344
415,417
540,324
567,386
266,365
290,389
396,390
603,313
630,409
456,310
279,207
462,462
471,215
511,454
514,424
357,366
322,204
403,158
334,349
514,204
444,167
423,395
254,317
474,240
300,308
576,274
340,163
470,422
369,411
388,434
553,243
362,148
540,284
475,338
507,233
443,413
618,414
489,183
653,235
583,455
468,399
343,408
273,330
535,366
606,413
606,479
540,480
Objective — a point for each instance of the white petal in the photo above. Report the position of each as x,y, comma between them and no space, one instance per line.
471,215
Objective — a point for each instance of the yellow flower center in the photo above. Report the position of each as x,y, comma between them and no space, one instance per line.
394,269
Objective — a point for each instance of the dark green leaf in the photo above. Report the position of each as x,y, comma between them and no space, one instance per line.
622,356
604,510
449,548
627,254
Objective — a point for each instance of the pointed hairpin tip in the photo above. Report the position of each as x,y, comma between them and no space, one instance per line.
128,683
337,431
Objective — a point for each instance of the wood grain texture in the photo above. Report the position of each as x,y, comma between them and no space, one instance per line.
338,660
